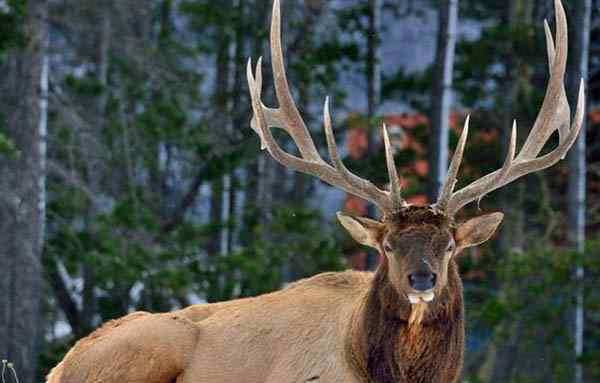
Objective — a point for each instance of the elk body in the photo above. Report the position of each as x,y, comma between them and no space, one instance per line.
403,323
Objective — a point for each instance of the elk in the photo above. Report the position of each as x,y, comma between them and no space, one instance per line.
402,323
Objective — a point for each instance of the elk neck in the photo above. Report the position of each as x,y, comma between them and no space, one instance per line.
382,347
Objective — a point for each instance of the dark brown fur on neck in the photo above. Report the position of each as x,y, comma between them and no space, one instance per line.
382,348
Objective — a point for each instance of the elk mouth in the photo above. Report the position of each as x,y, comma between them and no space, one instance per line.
425,296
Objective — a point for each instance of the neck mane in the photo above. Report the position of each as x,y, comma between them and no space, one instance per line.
384,346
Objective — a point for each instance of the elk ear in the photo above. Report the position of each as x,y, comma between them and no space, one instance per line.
477,230
364,230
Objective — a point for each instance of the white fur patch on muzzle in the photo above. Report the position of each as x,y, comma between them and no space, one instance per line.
426,296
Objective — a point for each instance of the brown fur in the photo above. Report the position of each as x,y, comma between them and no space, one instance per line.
384,348
139,347
415,215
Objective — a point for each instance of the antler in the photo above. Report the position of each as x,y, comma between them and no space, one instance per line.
554,115
288,118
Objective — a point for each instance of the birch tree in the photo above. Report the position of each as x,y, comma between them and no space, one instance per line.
580,41
441,97
22,187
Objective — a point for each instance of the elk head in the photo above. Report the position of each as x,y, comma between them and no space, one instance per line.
418,242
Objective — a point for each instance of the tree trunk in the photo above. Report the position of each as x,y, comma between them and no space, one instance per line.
239,117
373,69
220,186
373,75
441,97
216,214
22,205
312,11
93,171
580,41
515,91
253,171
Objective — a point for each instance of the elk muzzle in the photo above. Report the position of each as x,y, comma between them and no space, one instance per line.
422,280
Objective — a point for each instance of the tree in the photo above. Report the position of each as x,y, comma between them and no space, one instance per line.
23,189
441,96
373,62
580,40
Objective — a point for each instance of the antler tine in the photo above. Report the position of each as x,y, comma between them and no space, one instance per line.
287,106
549,45
395,187
259,120
448,187
503,172
288,118
512,148
554,115
555,112
368,187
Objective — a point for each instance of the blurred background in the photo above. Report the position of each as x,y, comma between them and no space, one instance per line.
131,180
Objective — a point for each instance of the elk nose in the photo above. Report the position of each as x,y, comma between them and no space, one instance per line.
422,280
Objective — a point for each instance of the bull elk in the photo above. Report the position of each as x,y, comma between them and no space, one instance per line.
402,323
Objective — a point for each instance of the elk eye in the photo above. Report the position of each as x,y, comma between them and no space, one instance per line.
387,248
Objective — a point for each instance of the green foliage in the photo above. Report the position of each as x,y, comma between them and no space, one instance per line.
297,242
533,294
7,148
87,86
122,256
11,25
414,89
11,36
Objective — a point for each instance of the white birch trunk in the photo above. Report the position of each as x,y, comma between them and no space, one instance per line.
577,170
441,97
42,144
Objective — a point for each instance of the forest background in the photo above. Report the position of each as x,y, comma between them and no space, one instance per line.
131,180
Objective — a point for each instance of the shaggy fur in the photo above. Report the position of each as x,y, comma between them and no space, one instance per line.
416,215
384,347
